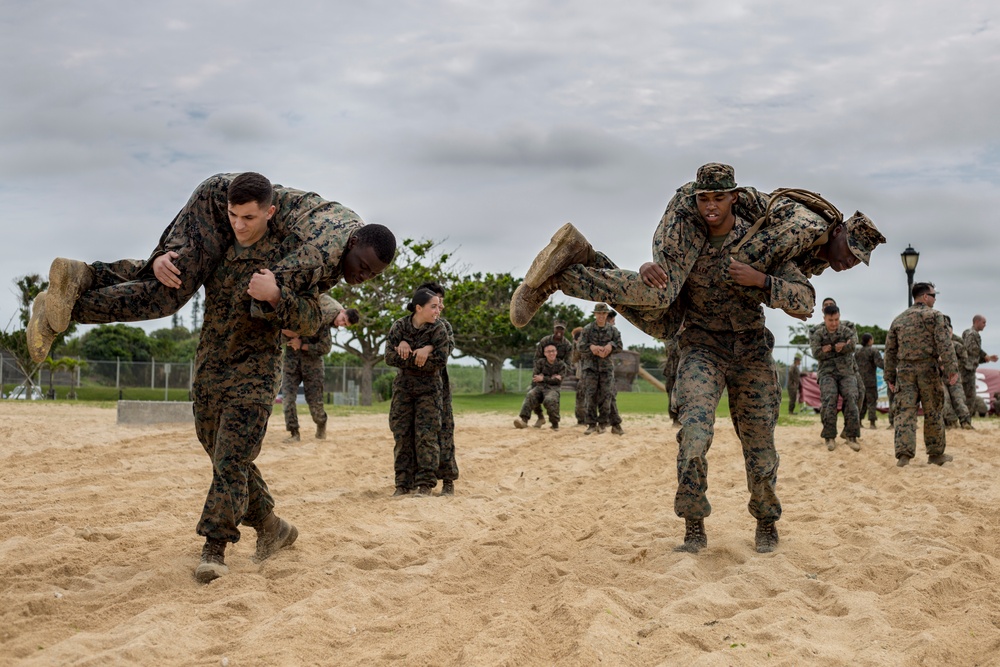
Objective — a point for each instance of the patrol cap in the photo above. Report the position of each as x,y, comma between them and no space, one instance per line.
601,308
715,177
558,324
329,308
862,236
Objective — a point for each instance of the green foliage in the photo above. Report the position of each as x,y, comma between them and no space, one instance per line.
116,341
382,386
649,357
176,344
877,332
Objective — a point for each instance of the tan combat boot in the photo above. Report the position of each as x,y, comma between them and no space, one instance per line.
293,436
40,335
274,534
695,538
765,537
321,431
213,561
566,248
68,279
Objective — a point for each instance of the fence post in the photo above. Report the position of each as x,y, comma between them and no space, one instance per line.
2,359
152,373
118,372
166,381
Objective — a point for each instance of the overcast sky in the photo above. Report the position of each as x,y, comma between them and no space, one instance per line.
488,125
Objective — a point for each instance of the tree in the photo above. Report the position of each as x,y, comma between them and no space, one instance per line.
16,341
382,300
479,312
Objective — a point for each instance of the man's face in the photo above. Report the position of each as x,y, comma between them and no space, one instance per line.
716,209
550,353
979,323
832,322
361,263
341,320
837,252
249,221
601,319
558,333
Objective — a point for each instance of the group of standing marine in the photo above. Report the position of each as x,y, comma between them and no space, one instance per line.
926,365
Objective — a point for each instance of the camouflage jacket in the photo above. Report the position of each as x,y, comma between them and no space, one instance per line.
973,348
435,335
564,348
595,335
672,357
794,378
960,352
547,371
239,351
918,337
868,360
836,363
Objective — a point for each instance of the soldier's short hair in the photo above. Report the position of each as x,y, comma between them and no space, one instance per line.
920,289
420,298
866,338
831,310
250,186
353,316
552,345
380,239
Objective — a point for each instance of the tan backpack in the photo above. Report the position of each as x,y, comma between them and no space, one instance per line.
811,200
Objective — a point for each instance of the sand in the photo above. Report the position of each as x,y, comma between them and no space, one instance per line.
557,550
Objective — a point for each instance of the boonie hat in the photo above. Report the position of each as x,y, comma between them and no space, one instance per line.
862,236
601,308
715,177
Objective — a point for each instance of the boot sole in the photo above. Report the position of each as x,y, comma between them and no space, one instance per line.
206,572
63,293
563,250
39,333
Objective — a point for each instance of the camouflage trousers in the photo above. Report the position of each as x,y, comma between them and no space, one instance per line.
870,403
231,433
953,405
542,395
415,420
793,397
918,384
831,387
596,388
968,381
741,364
306,369
447,465
127,290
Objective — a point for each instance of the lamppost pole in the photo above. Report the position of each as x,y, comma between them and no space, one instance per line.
910,258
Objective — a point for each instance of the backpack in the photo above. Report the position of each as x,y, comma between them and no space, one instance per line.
811,200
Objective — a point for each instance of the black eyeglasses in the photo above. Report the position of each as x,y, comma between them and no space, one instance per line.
933,294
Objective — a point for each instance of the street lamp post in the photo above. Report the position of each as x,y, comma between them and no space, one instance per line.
910,258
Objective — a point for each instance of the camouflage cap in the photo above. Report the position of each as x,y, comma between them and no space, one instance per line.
601,308
329,308
558,324
715,177
862,236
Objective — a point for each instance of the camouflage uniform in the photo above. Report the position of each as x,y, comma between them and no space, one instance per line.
955,409
417,404
670,374
579,404
447,464
235,382
127,290
564,351
837,378
868,360
975,356
917,343
796,233
725,346
545,392
597,375
306,367
794,385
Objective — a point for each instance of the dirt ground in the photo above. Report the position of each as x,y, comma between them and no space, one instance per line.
556,550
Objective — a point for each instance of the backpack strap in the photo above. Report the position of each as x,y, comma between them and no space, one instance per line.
811,200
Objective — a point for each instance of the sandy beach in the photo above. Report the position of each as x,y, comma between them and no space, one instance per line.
556,550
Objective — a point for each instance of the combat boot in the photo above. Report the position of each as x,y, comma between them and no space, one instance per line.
902,461
591,428
695,538
600,428
940,459
968,426
617,430
853,444
293,436
831,444
39,334
540,422
520,423
448,487
213,561
321,431
274,534
401,491
424,490
766,536
68,279
527,300
872,423
555,426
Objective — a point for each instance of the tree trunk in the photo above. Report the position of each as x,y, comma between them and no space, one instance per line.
367,374
494,375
